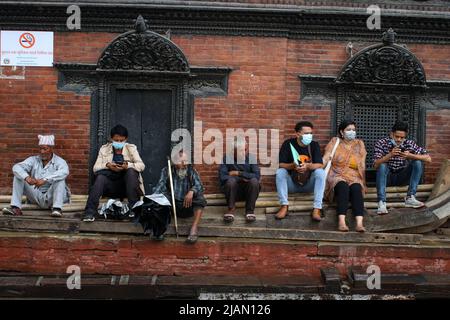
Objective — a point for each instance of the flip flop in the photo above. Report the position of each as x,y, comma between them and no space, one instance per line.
192,238
228,217
250,217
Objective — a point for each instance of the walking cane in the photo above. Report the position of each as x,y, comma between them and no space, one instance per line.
169,167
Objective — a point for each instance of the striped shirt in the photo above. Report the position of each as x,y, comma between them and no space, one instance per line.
385,145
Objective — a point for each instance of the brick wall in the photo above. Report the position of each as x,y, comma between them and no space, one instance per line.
264,92
140,256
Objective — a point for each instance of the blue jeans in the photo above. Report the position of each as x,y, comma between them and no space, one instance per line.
315,183
408,175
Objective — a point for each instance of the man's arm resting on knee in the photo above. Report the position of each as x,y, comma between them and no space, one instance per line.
313,166
22,170
288,166
421,157
383,159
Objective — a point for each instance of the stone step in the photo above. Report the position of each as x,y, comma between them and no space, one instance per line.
402,189
304,199
425,188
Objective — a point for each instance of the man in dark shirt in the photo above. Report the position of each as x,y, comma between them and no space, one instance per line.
398,162
309,159
240,181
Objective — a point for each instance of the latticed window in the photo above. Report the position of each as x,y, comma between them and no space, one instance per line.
375,114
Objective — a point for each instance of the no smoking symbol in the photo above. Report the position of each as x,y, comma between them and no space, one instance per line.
27,40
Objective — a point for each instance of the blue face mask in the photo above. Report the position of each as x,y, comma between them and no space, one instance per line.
118,145
393,142
307,139
350,135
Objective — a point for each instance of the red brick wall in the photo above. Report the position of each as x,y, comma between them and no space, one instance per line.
138,256
264,92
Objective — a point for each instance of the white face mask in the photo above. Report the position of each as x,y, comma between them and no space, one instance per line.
307,138
350,135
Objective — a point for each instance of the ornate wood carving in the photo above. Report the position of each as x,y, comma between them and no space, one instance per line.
143,50
300,23
386,63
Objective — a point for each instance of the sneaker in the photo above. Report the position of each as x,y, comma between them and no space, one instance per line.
382,208
56,212
89,217
12,211
412,202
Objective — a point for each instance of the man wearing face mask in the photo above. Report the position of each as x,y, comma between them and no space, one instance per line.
118,171
399,162
42,179
310,161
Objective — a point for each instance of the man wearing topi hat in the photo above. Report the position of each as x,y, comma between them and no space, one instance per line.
42,179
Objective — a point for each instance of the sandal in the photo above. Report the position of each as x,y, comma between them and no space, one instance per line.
343,228
192,238
228,217
250,217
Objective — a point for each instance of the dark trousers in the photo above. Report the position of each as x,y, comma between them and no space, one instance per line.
343,192
125,186
236,189
198,202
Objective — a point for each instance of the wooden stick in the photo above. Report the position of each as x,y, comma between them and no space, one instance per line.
169,167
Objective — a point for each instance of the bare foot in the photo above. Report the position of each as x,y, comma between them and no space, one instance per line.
343,228
360,229
282,213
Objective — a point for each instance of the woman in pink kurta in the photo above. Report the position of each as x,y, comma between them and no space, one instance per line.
346,179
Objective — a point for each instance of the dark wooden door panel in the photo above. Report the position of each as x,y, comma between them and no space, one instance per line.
156,131
128,111
147,115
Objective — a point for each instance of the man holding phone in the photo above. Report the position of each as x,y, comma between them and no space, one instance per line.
118,172
399,162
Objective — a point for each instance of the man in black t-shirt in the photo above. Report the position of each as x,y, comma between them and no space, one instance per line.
290,177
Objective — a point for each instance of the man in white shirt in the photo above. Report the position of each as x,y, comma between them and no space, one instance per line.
42,179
